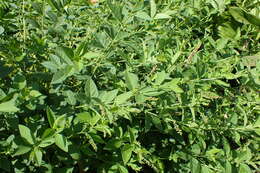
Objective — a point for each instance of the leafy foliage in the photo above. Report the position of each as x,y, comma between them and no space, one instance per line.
129,86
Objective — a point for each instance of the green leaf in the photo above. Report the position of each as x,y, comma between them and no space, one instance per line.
228,31
257,122
162,16
91,88
48,133
19,81
38,156
218,4
113,144
148,123
2,94
195,166
116,10
54,4
108,96
226,146
66,54
61,142
213,151
51,116
157,122
47,138
70,97
222,83
126,152
22,150
251,61
50,65
244,17
92,55
243,168
175,57
122,98
8,106
2,30
91,118
131,80
244,155
75,152
62,74
122,169
196,149
172,86
102,40
26,133
35,93
160,77
205,169
143,15
60,122
228,167
113,169
153,8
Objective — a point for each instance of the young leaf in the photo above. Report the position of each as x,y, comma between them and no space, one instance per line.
60,122
66,54
195,165
8,106
61,142
50,65
131,80
244,17
22,150
47,138
51,116
205,169
19,81
227,31
87,117
108,96
91,88
172,86
160,77
62,74
2,94
116,10
26,133
228,167
126,152
148,123
122,169
243,168
143,15
153,8
226,146
92,55
2,30
38,156
54,4
70,97
162,16
122,98
113,144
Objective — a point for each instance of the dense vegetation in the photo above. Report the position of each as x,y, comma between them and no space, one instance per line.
118,86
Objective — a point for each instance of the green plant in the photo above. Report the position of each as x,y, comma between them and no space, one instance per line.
129,86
